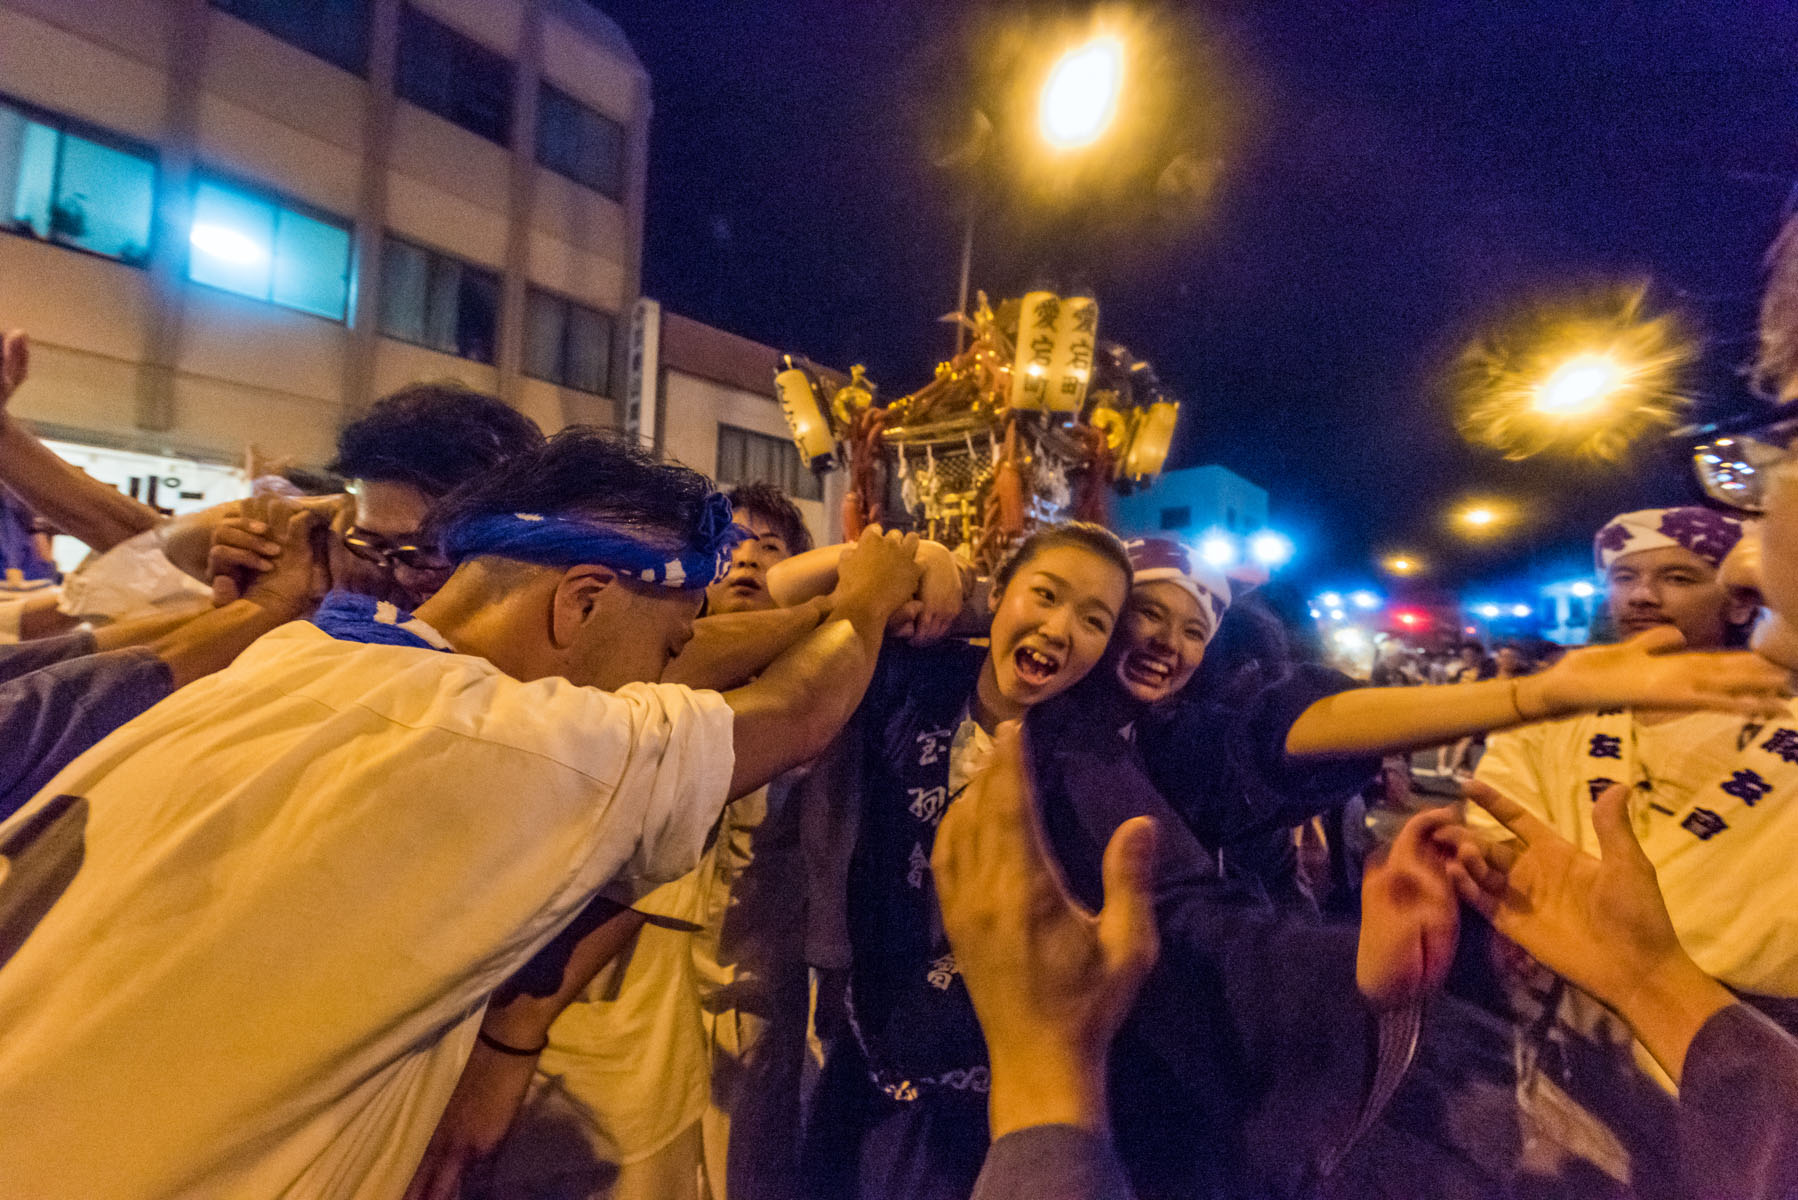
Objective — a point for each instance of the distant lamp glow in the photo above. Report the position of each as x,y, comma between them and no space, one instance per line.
1365,600
1521,610
1350,639
1080,97
1409,620
1218,550
1270,549
1330,600
1584,590
1489,611
1579,385
1336,614
1315,614
1401,564
226,244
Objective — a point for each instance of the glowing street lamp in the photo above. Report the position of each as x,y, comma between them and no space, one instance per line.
1584,590
1402,564
1080,97
1580,386
1270,549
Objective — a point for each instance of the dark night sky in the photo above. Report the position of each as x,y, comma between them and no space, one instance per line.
1393,175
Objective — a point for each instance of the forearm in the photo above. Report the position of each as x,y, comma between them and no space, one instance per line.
187,539
210,641
805,697
1369,721
525,1006
793,581
1668,1007
145,629
67,497
731,649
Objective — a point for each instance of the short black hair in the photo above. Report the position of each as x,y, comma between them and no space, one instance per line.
434,436
593,473
1083,535
768,502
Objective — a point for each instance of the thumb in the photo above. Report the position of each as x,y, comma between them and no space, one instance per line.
1616,835
1662,639
1127,922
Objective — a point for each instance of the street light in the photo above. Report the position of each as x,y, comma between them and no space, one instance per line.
1402,564
1578,386
1080,97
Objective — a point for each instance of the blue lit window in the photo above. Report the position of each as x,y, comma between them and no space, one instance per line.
64,187
256,247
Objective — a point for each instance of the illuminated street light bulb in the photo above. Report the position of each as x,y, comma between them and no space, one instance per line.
1489,611
1330,600
1521,610
1579,385
1336,614
1218,550
1270,549
1479,516
1080,97
1584,590
1365,599
1401,565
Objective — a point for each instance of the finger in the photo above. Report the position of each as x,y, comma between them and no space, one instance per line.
224,590
1127,920
1662,639
1616,833
254,540
222,560
1509,813
1441,930
1472,894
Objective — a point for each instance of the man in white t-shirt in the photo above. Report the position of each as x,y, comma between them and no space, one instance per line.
247,938
1712,794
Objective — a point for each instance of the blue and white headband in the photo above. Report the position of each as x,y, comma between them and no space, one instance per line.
564,542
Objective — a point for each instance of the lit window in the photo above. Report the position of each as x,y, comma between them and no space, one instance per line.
567,343
747,457
438,302
67,188
334,30
454,76
261,249
575,141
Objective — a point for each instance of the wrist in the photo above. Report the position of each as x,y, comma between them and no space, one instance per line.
1666,1004
1041,1086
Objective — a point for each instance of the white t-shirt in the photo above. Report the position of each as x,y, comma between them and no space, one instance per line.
1725,866
302,878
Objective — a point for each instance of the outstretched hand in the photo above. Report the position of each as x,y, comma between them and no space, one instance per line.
1598,922
1648,671
266,554
879,574
15,363
1051,982
1410,917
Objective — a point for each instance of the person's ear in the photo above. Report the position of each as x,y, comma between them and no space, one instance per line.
993,596
580,597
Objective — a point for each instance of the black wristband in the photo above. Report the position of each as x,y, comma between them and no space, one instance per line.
493,1043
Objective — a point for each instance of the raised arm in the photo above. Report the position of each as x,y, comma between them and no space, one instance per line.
730,649
944,594
1644,672
793,710
59,492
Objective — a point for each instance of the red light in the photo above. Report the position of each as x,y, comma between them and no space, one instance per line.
1408,618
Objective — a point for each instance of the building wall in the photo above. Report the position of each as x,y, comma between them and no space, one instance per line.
141,357
1215,498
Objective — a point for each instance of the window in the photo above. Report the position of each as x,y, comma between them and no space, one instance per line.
1176,518
257,247
745,457
455,77
334,30
575,141
567,343
64,187
433,300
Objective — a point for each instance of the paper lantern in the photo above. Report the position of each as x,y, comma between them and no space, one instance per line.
1039,316
802,403
1154,435
1071,368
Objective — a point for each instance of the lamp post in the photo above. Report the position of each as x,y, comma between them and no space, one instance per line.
1076,105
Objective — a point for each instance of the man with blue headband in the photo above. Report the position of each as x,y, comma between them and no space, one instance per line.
247,939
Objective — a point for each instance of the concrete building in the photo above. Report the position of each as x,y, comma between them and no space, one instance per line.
716,412
1212,508
239,221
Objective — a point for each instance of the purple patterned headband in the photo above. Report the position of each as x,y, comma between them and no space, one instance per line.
1704,531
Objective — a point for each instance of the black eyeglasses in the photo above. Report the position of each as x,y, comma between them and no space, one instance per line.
1734,459
382,552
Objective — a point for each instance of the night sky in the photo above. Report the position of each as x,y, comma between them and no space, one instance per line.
1374,182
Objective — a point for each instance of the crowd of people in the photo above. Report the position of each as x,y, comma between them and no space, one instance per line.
505,815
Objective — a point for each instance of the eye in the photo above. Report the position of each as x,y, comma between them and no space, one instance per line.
1043,594
1098,625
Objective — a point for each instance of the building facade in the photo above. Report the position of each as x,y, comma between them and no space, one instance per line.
236,222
